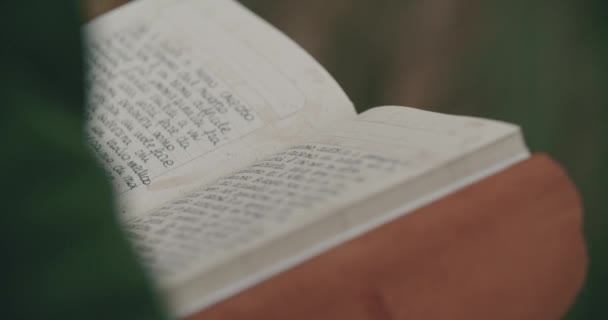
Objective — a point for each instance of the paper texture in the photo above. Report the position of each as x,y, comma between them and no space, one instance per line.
183,92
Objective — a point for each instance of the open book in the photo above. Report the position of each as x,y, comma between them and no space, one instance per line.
235,155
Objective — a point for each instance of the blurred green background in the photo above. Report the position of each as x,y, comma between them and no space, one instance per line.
540,64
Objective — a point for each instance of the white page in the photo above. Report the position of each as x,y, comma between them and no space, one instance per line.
183,92
302,196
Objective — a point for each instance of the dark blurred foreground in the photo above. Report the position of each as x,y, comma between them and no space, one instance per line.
63,254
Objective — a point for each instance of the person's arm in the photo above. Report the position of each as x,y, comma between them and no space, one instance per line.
63,253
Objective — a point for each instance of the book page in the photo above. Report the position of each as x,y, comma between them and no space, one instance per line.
309,186
183,92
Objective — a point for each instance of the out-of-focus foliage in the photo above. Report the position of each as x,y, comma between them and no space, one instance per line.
540,64
64,255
